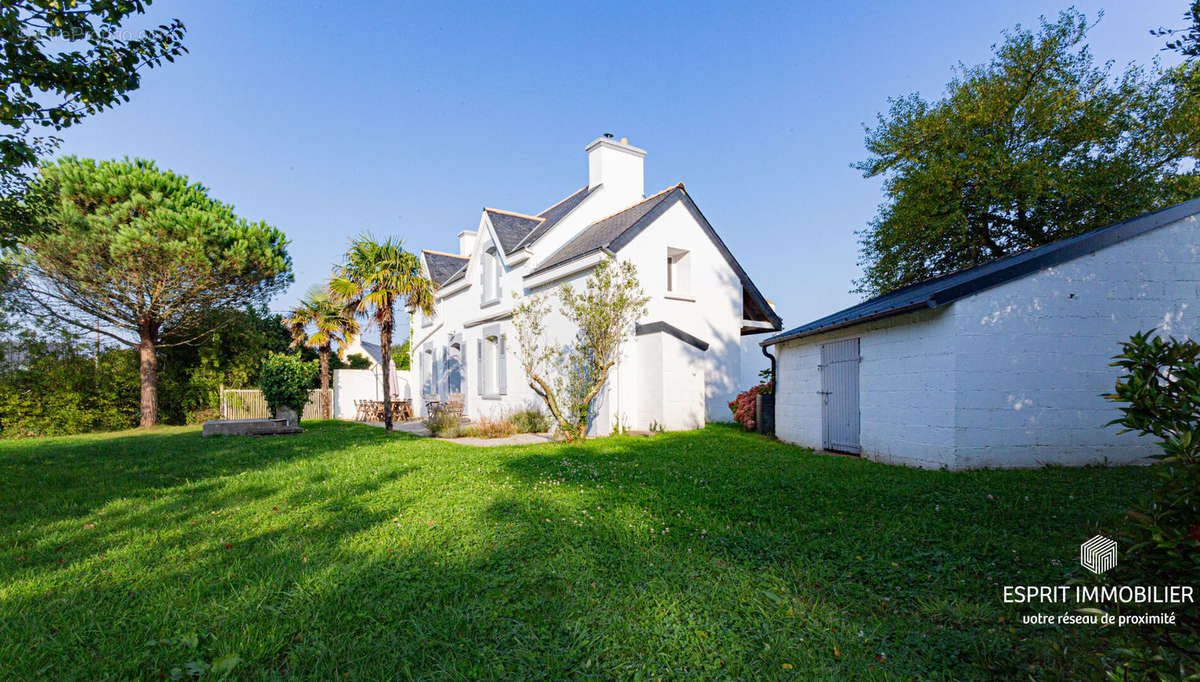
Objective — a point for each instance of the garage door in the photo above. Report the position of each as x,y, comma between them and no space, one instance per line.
839,393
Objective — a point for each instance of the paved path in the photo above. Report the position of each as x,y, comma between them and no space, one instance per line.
418,429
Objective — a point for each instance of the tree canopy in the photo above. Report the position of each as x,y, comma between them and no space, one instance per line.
1039,144
62,61
141,256
375,276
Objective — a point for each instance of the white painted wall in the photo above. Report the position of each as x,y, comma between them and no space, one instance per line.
906,390
681,378
1018,371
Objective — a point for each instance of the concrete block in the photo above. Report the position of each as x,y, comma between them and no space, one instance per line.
249,427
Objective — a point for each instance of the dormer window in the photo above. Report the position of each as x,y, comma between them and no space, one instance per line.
489,277
679,276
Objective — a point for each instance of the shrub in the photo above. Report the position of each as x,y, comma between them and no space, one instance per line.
743,406
1160,389
444,425
57,389
530,420
492,427
285,381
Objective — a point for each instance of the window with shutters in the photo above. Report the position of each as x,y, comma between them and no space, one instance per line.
427,372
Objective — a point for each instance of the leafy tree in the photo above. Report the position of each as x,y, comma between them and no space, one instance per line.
51,384
373,279
62,61
402,355
353,361
141,255
191,374
1036,145
331,325
1185,41
285,380
567,378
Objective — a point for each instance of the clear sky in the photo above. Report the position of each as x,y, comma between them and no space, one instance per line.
328,119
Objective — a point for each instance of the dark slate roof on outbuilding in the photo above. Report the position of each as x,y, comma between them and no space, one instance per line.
511,228
443,266
946,289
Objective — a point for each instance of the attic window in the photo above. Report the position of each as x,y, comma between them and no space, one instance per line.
489,277
678,272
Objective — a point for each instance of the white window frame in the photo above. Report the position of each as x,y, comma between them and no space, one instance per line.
679,274
490,277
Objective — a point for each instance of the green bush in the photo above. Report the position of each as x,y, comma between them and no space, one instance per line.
56,389
1160,392
285,381
530,420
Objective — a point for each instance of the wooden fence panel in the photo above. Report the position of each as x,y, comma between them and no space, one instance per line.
248,403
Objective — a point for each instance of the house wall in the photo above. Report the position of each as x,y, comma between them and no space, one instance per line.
711,310
1012,376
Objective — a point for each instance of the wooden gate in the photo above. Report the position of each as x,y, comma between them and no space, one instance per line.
839,393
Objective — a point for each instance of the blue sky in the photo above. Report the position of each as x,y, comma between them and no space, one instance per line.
328,119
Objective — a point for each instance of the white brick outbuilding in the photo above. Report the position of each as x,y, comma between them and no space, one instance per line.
1002,365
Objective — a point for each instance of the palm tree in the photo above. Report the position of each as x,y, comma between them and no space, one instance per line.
332,325
373,279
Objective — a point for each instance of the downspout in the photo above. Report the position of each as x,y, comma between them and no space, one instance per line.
766,424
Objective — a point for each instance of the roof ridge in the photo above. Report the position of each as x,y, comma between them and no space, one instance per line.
519,215
443,253
560,202
635,205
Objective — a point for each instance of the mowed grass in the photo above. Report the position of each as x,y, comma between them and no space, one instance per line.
344,553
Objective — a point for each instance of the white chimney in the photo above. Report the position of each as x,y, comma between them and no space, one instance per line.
466,242
617,166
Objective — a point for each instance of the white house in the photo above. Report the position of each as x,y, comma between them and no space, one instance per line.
683,364
1001,365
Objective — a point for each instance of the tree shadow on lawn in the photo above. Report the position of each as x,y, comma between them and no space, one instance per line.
42,480
541,562
914,561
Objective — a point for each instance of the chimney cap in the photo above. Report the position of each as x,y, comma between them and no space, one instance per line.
608,135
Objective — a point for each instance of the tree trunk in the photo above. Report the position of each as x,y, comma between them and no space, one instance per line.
149,381
326,399
385,340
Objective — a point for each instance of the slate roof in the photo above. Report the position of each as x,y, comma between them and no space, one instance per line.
511,228
615,231
946,289
374,350
554,214
443,266
603,233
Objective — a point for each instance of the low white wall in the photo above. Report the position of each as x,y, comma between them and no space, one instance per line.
361,384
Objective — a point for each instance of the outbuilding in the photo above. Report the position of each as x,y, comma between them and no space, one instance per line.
1000,365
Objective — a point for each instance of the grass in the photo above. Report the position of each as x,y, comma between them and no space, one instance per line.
344,553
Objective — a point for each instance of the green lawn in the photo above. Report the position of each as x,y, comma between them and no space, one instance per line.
344,553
